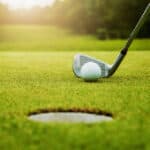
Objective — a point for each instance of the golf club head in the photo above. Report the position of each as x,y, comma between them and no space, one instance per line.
80,60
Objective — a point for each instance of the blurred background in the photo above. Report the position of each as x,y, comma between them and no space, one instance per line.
103,18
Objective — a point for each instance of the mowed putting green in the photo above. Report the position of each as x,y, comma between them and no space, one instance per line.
42,81
36,81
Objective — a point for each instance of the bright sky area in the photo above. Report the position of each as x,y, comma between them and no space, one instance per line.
27,4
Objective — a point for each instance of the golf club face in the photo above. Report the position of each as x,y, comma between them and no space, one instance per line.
80,60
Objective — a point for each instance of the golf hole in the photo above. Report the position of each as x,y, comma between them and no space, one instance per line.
70,117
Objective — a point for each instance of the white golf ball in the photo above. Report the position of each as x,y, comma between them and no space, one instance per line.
90,71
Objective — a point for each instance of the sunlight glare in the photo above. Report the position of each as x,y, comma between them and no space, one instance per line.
26,4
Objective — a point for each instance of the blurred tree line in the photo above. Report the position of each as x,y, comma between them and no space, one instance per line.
105,18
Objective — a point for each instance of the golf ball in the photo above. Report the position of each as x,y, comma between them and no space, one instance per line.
90,71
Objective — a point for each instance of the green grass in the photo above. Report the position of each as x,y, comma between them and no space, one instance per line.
45,38
30,81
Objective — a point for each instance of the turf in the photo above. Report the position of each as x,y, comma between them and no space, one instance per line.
33,81
39,38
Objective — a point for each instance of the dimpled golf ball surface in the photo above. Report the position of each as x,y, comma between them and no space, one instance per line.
90,71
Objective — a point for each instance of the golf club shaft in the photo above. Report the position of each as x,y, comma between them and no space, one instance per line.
130,40
137,28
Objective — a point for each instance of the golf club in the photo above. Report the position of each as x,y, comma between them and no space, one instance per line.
106,69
